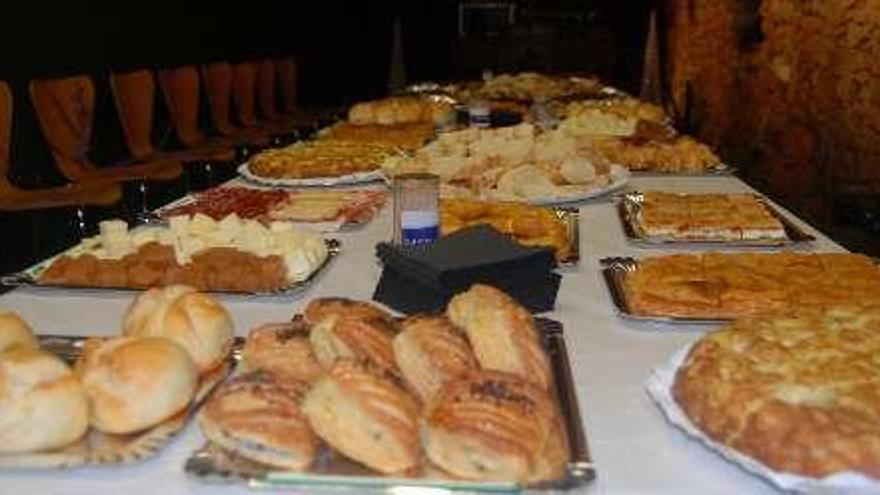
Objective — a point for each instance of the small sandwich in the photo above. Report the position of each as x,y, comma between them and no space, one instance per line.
259,417
282,349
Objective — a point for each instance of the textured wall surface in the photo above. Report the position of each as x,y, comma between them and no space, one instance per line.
790,89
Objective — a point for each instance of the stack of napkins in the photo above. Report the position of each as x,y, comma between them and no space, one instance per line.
422,278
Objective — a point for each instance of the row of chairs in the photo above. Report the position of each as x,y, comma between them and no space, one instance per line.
246,113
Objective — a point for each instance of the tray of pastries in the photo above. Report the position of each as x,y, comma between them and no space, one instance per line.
434,110
480,398
323,210
324,162
406,136
530,87
230,256
529,225
793,397
70,401
517,163
713,286
655,217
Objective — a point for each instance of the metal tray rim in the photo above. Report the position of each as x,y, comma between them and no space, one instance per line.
628,205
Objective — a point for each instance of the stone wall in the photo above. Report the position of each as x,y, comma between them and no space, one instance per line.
787,89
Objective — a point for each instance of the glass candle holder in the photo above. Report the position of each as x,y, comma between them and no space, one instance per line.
416,201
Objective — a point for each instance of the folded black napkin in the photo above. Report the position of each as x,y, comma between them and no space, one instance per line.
422,278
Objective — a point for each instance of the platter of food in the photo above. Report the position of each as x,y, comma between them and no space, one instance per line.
322,210
659,218
399,414
231,256
558,228
713,287
406,136
769,410
323,162
71,401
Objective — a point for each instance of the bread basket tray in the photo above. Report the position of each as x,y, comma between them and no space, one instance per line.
332,471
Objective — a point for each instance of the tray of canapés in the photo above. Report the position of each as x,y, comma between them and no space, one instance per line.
479,399
232,256
323,210
70,401
529,225
663,218
713,287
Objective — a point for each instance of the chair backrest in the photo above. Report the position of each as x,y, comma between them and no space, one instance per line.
180,86
134,94
65,111
288,83
266,90
217,77
5,133
244,93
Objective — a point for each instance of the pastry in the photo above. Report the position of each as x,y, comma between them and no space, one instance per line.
365,413
488,426
134,383
798,392
320,308
401,110
42,404
322,158
429,351
14,331
341,336
405,136
196,321
729,285
501,332
258,416
282,349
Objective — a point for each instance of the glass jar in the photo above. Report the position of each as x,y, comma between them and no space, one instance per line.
416,202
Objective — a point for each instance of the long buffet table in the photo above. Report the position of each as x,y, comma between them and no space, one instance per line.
633,447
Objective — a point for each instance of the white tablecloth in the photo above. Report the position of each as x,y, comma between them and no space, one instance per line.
633,448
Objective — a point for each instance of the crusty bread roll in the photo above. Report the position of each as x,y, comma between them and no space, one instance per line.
196,321
320,308
14,331
501,332
257,416
134,383
282,349
366,414
42,404
487,425
401,110
339,337
429,351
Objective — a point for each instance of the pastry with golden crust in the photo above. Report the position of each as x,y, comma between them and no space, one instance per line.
406,136
501,332
488,425
798,392
729,285
365,413
322,158
430,351
282,349
258,416
339,336
320,308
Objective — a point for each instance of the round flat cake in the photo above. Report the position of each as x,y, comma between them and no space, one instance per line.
798,393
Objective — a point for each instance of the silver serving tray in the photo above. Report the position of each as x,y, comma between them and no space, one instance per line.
332,471
721,169
30,277
615,271
96,448
630,203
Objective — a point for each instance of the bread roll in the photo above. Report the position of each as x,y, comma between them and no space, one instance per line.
194,320
501,332
488,426
320,308
134,383
14,331
282,349
429,351
340,337
257,416
401,110
367,415
42,404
